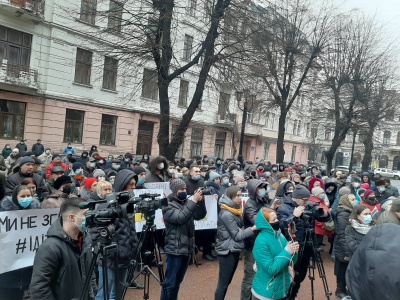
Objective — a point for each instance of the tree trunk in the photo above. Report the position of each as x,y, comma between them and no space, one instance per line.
280,150
368,147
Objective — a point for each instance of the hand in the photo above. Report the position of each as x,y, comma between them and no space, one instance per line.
294,247
298,211
216,196
275,204
346,258
198,196
254,228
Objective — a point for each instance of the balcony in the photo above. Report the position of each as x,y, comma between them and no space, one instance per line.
253,129
18,75
28,9
227,120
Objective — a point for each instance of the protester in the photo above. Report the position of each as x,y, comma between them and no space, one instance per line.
230,238
214,184
391,213
69,149
103,189
38,148
158,170
63,188
390,189
21,146
6,151
141,174
46,158
89,186
11,160
331,190
370,201
56,162
380,192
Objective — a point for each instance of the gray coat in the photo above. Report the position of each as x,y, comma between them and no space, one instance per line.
388,217
8,204
17,178
179,219
230,236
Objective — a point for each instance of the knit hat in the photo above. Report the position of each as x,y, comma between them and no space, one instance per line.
316,191
385,203
98,172
138,170
62,180
365,186
396,205
262,175
57,169
368,193
225,175
379,182
54,156
89,182
212,176
76,166
176,184
237,178
25,160
300,192
294,175
344,191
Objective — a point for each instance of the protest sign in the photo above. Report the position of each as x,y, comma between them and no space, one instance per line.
21,234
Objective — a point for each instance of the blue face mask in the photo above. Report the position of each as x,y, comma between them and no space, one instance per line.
92,165
25,202
261,193
367,219
225,182
141,181
322,196
117,167
180,175
382,189
79,172
182,196
82,227
196,177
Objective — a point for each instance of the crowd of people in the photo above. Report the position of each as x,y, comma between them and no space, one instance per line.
267,231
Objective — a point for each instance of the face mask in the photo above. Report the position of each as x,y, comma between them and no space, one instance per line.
25,202
367,219
242,185
354,203
274,169
315,172
180,175
8,147
101,162
372,199
170,171
382,189
268,174
182,196
322,196
84,155
69,147
92,165
218,162
196,177
160,166
145,166
22,143
82,227
261,193
79,172
356,185
112,182
67,189
101,178
275,226
260,169
225,182
47,152
141,181
117,167
289,193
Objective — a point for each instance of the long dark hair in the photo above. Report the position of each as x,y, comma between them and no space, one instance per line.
357,210
232,191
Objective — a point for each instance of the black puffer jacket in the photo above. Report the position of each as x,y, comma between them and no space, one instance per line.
179,219
253,205
214,188
193,185
230,236
369,275
353,239
331,196
60,267
17,178
342,221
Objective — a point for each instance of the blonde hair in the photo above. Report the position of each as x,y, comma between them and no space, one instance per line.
102,185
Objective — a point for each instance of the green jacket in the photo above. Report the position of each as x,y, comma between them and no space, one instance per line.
388,217
272,278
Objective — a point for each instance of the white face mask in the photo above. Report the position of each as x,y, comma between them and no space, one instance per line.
160,166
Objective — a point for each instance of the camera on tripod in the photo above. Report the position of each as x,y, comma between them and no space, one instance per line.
311,212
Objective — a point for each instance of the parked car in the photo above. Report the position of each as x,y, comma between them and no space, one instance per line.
343,169
382,172
396,174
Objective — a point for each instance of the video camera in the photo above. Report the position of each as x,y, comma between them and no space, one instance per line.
204,191
311,212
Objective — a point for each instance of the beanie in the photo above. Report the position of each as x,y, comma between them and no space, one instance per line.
355,179
62,180
98,172
225,175
176,184
76,166
54,156
262,175
345,191
395,205
295,175
25,160
317,190
385,203
237,178
138,170
365,186
368,193
89,182
300,192
212,176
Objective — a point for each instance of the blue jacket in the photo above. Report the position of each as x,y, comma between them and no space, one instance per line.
272,279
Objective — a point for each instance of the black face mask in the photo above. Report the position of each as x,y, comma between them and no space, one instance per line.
275,226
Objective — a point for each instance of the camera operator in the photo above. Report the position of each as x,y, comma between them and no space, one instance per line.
61,262
179,218
291,212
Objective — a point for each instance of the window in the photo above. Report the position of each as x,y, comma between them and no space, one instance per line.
73,126
250,117
208,9
183,93
83,66
294,150
179,153
108,130
308,129
196,143
110,73
294,127
328,134
266,151
88,11
150,85
12,119
398,139
187,47
115,16
220,139
223,105
191,9
299,127
386,137
145,138
15,48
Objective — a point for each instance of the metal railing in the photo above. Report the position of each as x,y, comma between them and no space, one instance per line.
35,7
18,74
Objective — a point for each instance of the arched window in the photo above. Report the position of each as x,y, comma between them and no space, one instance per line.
386,137
398,139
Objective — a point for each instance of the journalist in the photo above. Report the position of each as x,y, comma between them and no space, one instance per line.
291,213
179,218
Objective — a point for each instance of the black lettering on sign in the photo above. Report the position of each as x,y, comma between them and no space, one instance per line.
49,219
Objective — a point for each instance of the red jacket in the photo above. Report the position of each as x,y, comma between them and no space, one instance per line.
51,166
319,226
371,207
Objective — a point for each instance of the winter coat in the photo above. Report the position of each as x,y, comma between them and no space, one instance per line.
371,183
341,247
370,206
333,195
381,196
51,166
388,217
6,152
60,267
252,207
372,272
21,147
45,160
69,150
83,159
8,204
49,185
392,191
10,162
193,185
272,278
353,239
214,188
319,226
179,219
37,149
152,177
230,236
2,164
54,200
17,178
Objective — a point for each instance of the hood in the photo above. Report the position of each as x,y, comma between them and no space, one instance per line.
252,186
155,161
313,180
335,188
213,184
122,179
228,201
85,152
365,174
8,204
264,226
280,192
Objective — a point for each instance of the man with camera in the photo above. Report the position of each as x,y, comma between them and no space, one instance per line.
179,218
293,212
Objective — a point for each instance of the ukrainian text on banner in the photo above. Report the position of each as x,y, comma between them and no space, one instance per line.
21,234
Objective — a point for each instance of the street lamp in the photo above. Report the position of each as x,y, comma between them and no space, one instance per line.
248,101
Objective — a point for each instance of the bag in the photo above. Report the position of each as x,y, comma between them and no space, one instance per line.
329,225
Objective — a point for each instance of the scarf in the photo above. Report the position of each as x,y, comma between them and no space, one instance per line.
235,211
345,203
79,178
360,228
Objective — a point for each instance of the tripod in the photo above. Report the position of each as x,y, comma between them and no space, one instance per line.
315,261
147,249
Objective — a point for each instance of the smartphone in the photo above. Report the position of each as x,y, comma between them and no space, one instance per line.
279,201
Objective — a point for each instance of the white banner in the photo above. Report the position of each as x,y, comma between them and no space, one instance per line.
21,234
